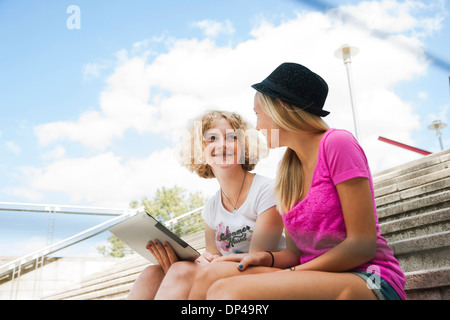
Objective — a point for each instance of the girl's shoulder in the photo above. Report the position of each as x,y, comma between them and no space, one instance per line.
261,179
260,182
337,137
213,201
339,141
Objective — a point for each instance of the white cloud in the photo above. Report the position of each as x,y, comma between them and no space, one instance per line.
57,153
193,75
108,180
13,147
93,70
26,192
440,115
214,28
422,95
389,16
123,106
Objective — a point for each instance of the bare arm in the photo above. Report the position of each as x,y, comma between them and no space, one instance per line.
267,231
282,259
211,250
360,244
358,248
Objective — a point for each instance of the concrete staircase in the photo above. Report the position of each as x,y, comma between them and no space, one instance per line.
413,202
54,274
116,282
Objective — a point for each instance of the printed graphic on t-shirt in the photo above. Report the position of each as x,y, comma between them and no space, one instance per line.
229,241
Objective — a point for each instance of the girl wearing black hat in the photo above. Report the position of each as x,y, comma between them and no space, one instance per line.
325,193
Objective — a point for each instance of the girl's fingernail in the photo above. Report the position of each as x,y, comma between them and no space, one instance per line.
240,266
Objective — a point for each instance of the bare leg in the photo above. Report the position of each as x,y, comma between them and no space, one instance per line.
147,283
206,275
178,281
287,284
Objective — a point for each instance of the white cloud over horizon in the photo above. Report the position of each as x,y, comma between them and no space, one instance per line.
213,28
158,97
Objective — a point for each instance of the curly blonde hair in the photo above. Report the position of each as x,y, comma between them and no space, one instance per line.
193,142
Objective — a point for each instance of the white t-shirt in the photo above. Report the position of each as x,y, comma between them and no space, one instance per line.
234,231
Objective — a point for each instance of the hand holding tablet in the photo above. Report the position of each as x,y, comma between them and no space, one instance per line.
142,229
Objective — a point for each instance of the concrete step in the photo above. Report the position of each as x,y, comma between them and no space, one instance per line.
412,188
111,293
414,206
126,263
423,253
116,282
429,284
438,172
419,167
385,186
416,226
408,174
123,273
105,291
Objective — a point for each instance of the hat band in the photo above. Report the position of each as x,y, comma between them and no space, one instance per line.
287,94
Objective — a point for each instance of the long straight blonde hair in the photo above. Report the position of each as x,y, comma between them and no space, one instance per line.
289,181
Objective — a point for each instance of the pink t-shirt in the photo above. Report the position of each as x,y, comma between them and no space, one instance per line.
316,224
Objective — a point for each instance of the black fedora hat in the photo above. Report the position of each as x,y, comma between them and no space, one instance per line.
297,85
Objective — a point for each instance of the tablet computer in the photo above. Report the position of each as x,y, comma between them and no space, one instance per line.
139,229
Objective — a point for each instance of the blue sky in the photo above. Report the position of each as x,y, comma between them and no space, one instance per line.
91,116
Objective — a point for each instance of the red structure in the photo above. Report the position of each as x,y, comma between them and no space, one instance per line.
404,146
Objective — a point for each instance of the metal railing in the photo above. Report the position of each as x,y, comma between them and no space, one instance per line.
11,271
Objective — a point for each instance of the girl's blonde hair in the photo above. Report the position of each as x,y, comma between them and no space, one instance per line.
193,144
289,180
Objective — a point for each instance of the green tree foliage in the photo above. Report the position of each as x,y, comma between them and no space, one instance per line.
167,204
170,202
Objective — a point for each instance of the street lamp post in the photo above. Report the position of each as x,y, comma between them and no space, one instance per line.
438,125
346,52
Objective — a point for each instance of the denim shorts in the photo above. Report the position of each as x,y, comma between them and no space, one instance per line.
382,289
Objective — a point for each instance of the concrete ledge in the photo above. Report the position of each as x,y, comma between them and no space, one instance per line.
428,285
441,293
428,279
412,179
430,242
104,290
420,225
419,188
423,253
116,281
386,177
416,206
